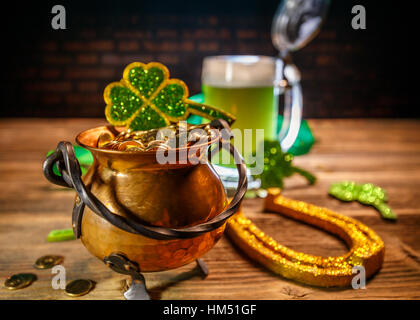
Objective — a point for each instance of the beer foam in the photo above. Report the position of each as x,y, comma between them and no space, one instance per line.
241,71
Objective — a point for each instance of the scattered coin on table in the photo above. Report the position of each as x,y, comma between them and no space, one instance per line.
47,262
79,287
19,281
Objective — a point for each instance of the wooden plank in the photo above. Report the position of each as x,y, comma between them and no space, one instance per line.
386,152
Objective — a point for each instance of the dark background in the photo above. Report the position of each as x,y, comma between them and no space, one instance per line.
62,73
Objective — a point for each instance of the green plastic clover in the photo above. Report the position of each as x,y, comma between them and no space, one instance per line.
83,155
278,165
367,194
146,98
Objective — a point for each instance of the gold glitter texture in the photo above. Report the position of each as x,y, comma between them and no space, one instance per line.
366,248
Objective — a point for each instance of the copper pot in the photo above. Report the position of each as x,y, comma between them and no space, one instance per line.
182,206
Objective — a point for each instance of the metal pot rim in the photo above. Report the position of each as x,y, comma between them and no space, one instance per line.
88,139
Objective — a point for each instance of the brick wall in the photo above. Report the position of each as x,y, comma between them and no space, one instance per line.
346,73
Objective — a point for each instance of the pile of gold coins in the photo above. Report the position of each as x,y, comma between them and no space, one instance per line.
75,288
174,136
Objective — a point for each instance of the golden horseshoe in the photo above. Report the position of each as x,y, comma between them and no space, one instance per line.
366,247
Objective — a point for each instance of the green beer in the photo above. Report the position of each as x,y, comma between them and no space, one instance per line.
253,107
245,86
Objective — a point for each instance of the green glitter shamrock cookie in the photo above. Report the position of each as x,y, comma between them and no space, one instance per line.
146,98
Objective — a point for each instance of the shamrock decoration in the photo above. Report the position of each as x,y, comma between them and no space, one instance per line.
278,165
84,157
146,98
366,193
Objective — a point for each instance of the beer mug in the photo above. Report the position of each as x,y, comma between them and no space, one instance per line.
249,87
252,88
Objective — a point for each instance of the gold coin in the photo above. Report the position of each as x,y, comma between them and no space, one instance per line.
104,138
19,281
79,287
47,262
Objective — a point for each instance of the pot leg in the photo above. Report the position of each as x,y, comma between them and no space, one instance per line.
201,265
121,264
137,289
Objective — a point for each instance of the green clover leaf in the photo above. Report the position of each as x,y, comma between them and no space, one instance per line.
278,165
146,98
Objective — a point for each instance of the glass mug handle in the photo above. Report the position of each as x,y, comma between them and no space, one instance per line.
293,103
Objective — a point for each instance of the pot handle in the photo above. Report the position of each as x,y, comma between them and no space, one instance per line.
69,168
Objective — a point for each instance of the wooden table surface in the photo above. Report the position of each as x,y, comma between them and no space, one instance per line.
384,152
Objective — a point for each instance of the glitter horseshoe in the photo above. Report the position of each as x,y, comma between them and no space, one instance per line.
366,248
